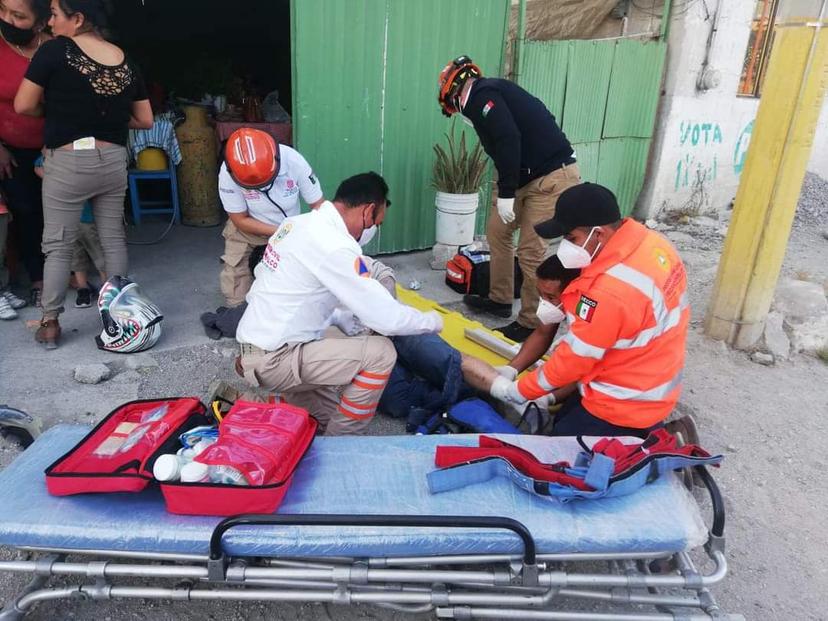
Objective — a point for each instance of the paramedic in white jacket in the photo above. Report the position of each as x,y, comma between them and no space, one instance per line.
259,185
312,265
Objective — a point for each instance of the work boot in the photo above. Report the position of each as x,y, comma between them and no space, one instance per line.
48,333
487,305
515,332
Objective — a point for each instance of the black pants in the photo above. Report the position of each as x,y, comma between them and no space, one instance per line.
24,198
574,420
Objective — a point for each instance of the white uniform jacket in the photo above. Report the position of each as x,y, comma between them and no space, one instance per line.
311,266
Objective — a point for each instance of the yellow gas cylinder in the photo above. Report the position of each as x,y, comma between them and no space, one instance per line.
152,158
198,172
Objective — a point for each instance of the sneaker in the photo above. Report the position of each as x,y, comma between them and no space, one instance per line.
6,310
515,332
84,298
34,299
14,301
486,305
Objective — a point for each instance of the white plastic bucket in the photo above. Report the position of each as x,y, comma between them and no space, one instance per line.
455,218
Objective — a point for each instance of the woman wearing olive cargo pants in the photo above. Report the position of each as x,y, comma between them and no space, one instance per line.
70,179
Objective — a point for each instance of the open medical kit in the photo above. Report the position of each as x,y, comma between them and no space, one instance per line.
244,464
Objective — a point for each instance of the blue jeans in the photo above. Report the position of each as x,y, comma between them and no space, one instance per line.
573,419
426,379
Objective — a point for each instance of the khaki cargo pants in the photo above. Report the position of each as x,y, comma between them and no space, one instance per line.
338,379
236,278
534,203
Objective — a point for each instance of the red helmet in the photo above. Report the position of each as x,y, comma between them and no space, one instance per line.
452,78
252,158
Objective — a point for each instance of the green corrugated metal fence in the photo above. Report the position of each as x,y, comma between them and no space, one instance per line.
364,86
605,95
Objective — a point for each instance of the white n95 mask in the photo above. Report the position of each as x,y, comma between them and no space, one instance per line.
573,256
367,235
549,313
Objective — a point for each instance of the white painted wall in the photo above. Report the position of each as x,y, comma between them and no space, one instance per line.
701,137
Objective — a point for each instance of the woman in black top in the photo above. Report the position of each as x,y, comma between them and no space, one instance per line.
90,94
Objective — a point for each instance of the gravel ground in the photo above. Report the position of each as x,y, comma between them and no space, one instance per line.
812,209
768,421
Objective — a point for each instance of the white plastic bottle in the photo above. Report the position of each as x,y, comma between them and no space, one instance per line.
228,475
195,472
168,467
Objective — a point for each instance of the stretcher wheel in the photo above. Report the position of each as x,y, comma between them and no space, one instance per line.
686,432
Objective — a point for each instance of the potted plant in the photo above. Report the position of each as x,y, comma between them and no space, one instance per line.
457,176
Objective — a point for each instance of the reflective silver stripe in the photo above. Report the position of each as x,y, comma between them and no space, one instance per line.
665,320
582,348
358,408
543,382
379,383
658,393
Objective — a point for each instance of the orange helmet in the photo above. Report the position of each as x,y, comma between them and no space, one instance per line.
452,78
252,158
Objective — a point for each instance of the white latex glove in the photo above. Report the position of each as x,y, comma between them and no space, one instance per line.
505,390
348,322
545,401
437,320
510,373
506,209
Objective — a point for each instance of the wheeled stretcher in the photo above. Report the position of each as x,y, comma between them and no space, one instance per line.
359,526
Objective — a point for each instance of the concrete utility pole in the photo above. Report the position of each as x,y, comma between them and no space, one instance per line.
766,201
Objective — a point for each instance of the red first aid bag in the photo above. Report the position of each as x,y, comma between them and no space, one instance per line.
118,454
265,443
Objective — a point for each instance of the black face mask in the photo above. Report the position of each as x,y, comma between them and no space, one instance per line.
15,35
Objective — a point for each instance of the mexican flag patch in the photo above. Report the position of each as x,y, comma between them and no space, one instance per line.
586,308
489,105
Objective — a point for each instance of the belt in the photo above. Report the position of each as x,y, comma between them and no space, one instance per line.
534,173
247,348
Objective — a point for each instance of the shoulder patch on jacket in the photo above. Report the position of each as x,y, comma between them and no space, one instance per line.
361,269
489,105
585,308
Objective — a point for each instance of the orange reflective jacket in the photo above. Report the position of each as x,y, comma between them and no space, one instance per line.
628,317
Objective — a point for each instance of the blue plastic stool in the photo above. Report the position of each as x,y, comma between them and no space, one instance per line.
140,208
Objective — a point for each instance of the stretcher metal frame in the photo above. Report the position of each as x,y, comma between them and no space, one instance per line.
648,586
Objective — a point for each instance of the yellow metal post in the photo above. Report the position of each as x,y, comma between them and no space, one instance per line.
783,133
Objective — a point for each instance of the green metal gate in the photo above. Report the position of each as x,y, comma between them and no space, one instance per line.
605,95
364,94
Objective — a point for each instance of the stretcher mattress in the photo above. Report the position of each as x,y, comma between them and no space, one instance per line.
350,475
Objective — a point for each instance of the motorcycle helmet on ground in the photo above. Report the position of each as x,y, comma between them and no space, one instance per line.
252,158
452,78
131,322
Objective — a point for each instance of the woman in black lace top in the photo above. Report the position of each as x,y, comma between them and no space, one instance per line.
90,94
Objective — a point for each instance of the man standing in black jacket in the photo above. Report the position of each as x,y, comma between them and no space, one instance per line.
534,162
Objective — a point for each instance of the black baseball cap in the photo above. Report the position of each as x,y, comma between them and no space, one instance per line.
586,204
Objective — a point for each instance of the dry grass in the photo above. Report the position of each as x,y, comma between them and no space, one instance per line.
822,354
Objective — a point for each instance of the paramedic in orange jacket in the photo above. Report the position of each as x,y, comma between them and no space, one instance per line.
628,316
